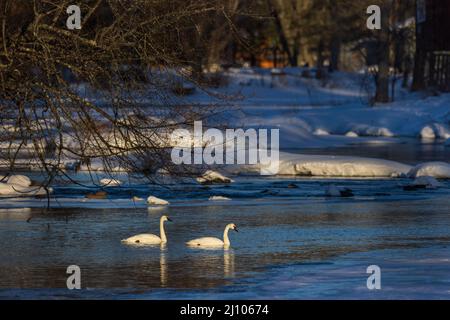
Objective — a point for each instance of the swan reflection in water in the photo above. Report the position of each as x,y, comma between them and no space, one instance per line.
217,266
228,263
163,265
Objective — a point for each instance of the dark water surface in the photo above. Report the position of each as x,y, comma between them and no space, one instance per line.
406,150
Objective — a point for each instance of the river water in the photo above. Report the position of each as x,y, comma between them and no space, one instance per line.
293,243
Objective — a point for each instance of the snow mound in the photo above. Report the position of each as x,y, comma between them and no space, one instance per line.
19,180
19,185
350,167
439,170
7,189
340,166
218,198
351,134
157,201
365,130
211,176
436,130
331,166
427,182
321,132
427,133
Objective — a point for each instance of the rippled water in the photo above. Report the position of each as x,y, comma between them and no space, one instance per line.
292,242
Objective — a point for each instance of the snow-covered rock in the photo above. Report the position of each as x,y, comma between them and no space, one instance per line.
211,176
427,133
365,130
218,198
439,170
110,182
157,201
351,134
436,130
19,180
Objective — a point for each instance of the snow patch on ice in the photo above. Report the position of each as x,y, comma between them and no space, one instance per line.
218,198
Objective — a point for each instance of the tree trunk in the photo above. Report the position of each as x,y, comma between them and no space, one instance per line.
419,60
406,71
335,50
281,34
382,80
320,58
382,83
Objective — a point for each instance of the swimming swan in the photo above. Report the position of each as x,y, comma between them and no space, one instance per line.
149,239
214,242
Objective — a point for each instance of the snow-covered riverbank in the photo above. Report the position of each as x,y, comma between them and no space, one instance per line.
313,114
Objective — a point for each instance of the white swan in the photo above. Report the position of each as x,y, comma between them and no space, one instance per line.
149,239
214,242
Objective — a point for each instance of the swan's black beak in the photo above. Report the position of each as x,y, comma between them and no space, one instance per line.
168,219
235,229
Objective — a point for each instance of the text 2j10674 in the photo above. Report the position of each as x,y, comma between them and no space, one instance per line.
242,309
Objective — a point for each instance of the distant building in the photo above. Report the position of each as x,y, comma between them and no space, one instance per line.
433,28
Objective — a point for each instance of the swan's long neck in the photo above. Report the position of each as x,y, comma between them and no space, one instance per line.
161,231
226,240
